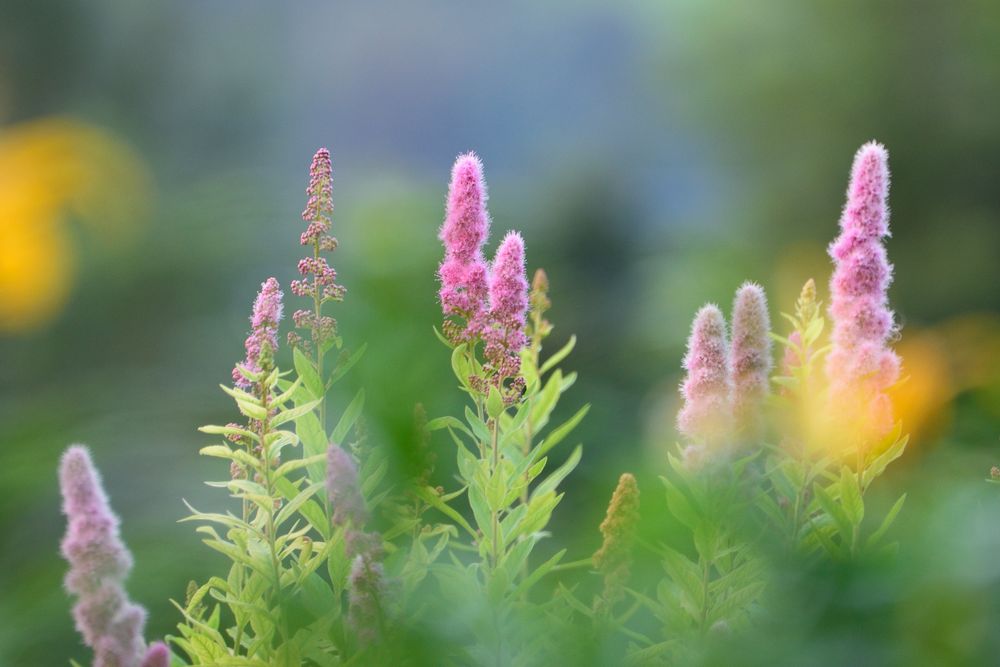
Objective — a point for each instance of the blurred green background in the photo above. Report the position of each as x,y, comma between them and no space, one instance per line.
153,159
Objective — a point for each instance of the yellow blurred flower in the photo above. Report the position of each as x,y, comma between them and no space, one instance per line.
51,170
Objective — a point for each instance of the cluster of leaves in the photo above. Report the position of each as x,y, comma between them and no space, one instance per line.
286,597
505,480
817,476
798,497
281,603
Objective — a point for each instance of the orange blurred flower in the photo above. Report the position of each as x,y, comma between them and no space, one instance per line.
52,170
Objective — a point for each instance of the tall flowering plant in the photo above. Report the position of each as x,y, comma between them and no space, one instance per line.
331,563
495,327
773,466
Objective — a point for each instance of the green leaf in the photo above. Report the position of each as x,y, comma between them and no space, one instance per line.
559,433
478,426
447,422
480,509
307,373
558,356
687,575
813,331
351,414
295,464
440,337
460,364
680,506
347,364
886,523
552,481
229,430
540,511
835,511
850,496
294,413
540,572
430,496
546,400
882,461
494,403
496,488
736,602
293,505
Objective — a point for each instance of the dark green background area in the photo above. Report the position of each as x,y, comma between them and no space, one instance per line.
654,155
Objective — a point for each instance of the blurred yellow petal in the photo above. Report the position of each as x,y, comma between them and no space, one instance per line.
36,263
50,168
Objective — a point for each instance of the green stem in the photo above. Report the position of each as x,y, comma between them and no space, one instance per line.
495,515
705,575
317,309
269,485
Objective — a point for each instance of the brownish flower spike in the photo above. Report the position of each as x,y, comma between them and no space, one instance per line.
614,557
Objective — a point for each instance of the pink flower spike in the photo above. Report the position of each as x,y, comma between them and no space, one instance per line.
319,205
343,488
109,622
466,223
750,356
463,273
706,415
860,365
509,282
867,211
267,312
158,655
267,307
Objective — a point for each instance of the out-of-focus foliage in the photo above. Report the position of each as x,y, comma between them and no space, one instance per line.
49,170
648,149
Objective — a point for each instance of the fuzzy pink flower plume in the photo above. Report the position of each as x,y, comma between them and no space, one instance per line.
366,582
366,589
860,365
508,292
342,488
750,356
706,416
109,622
264,321
463,273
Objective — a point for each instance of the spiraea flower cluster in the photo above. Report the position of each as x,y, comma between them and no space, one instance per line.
334,559
319,279
750,357
366,581
504,329
705,417
262,342
480,301
464,275
860,365
727,381
110,623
